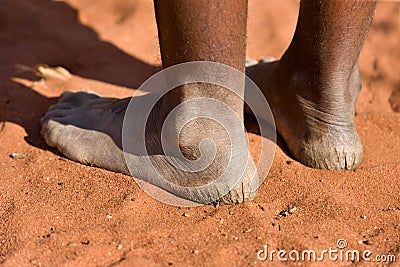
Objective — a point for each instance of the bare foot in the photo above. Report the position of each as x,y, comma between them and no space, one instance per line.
315,117
88,128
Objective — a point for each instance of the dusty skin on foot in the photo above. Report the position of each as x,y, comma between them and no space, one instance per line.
320,133
87,128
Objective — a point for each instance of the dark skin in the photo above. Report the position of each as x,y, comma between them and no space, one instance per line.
312,90
200,34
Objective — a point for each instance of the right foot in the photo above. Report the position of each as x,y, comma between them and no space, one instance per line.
314,117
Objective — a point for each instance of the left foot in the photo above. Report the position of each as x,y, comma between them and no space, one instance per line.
88,129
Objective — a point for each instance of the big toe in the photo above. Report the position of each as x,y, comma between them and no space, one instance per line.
77,98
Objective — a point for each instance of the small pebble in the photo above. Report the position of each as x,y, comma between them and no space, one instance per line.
367,242
285,213
186,215
17,156
292,210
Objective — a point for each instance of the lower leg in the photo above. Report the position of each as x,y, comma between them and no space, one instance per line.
205,30
314,87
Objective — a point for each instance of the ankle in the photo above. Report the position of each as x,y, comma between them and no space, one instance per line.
198,91
319,81
193,129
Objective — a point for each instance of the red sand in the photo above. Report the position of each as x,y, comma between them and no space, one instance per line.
57,212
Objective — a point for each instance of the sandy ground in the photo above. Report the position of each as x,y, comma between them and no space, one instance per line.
57,212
